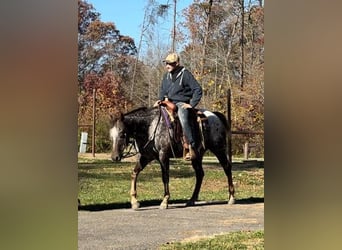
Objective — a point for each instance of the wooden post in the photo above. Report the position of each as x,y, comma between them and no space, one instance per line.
229,115
242,43
245,150
93,132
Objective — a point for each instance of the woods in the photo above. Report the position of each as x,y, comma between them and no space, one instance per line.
220,41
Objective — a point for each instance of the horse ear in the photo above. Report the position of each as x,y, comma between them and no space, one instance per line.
116,116
112,118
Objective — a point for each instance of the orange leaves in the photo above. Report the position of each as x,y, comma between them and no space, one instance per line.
97,30
102,61
109,94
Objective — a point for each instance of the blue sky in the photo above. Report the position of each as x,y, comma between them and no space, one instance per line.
128,14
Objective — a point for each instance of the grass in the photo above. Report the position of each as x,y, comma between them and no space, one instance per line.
236,240
104,182
106,185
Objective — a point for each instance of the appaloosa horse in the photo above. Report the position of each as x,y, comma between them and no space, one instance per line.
151,132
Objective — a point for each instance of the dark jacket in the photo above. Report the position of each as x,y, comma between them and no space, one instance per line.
181,86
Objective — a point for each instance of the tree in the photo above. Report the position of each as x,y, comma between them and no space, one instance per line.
224,47
104,64
100,45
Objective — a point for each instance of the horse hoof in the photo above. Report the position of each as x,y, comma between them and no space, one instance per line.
190,204
135,206
231,201
163,206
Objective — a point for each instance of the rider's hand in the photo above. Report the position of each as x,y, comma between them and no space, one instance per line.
186,106
156,104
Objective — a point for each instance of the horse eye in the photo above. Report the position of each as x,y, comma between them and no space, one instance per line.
122,135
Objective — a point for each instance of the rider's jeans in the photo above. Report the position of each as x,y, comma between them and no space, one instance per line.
183,114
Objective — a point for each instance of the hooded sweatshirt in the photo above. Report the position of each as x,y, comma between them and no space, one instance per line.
180,85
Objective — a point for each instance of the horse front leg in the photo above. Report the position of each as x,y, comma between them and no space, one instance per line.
165,167
134,177
197,166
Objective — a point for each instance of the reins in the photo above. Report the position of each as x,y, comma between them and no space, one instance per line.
129,154
161,111
165,114
155,130
151,139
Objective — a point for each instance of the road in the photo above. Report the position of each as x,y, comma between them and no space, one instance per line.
149,227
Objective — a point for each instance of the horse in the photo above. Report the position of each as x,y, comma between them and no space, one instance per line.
151,134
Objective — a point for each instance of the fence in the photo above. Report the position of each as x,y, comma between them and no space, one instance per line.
246,147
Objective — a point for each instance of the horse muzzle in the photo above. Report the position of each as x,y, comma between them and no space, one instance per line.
116,158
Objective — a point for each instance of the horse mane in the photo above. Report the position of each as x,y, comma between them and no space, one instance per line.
136,110
141,112
223,118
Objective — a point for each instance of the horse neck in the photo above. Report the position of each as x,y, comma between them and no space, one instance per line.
138,122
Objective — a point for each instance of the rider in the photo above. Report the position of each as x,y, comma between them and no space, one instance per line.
181,87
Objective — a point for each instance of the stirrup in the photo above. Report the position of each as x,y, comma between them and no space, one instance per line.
187,157
190,154
186,154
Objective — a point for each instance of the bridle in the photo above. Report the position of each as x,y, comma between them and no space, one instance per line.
130,145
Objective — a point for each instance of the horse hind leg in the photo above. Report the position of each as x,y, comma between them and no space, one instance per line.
197,166
165,203
227,167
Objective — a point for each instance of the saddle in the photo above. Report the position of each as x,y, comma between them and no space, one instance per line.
175,127
172,119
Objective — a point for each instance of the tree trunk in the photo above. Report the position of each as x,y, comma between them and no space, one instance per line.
174,26
206,36
242,43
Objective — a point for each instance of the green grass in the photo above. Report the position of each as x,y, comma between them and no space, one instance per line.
103,184
236,240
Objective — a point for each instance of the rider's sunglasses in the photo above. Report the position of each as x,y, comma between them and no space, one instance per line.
172,64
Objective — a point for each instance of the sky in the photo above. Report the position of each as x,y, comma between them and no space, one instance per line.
128,15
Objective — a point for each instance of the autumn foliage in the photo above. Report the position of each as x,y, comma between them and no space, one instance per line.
104,64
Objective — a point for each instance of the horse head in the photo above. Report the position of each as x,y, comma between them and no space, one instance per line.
118,136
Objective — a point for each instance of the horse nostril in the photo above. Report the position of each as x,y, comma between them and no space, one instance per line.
115,158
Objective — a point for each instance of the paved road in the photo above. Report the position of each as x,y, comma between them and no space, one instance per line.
149,227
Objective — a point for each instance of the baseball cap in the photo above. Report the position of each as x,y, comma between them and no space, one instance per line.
171,58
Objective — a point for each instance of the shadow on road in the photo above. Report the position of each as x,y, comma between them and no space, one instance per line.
173,203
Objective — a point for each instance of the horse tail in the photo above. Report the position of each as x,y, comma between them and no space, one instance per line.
223,119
